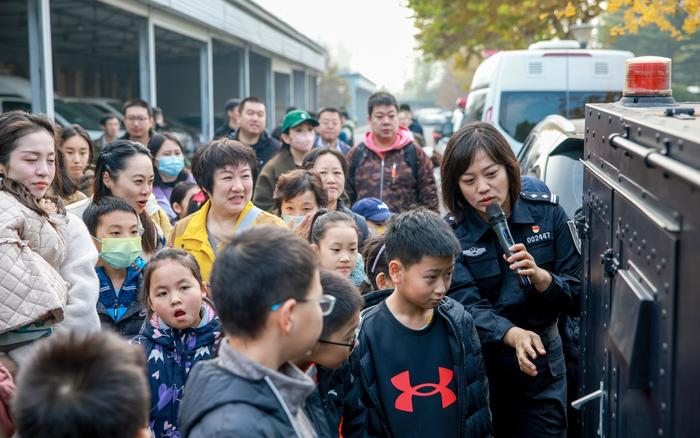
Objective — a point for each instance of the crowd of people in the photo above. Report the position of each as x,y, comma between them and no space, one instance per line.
304,286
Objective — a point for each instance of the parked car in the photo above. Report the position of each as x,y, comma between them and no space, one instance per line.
64,114
431,116
552,153
514,90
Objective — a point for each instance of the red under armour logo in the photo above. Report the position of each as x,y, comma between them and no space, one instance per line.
402,382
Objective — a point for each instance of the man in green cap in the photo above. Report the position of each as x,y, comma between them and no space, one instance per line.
297,139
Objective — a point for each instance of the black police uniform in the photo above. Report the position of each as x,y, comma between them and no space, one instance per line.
522,406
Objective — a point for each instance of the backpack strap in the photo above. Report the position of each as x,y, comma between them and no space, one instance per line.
411,159
248,220
359,155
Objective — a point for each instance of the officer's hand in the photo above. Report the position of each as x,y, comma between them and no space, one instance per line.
523,260
527,346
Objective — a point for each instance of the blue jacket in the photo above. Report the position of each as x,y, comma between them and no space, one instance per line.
123,313
171,354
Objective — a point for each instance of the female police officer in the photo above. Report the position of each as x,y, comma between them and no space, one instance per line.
518,326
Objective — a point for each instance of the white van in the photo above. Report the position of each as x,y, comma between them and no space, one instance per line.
514,90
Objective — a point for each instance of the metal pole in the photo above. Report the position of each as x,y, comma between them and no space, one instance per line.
246,72
40,57
147,62
206,90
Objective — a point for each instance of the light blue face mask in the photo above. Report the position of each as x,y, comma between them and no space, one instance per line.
292,220
171,165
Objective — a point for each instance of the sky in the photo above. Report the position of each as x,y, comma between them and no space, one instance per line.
372,37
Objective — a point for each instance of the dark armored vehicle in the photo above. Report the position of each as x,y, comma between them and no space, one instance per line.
640,329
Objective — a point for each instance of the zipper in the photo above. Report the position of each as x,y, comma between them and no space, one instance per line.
381,183
278,396
461,375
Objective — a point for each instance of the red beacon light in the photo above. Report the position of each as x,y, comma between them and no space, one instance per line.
647,81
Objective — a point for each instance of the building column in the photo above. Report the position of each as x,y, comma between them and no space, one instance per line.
206,75
246,72
147,62
40,57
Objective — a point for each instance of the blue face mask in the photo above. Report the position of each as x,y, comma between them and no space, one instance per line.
291,220
171,165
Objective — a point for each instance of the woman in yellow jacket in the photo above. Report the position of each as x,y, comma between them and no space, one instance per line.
225,170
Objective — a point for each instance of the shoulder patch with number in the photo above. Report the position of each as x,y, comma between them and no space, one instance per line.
574,235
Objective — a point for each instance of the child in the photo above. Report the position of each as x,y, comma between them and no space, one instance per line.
335,405
298,193
115,228
83,385
378,281
334,235
422,372
271,307
180,198
182,329
375,212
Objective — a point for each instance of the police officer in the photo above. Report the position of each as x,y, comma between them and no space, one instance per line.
521,345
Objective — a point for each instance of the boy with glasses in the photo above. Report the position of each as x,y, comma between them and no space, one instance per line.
271,307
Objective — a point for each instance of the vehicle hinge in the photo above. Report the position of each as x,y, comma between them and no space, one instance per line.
610,262
582,225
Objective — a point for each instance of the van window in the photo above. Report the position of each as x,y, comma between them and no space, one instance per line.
474,110
522,110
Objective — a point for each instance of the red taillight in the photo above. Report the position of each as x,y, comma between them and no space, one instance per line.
648,76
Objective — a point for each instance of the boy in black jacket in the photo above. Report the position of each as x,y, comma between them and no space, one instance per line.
419,355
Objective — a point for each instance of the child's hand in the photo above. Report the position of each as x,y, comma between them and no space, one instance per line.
304,228
48,205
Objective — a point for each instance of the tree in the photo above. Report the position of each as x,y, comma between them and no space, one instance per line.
664,14
463,28
333,90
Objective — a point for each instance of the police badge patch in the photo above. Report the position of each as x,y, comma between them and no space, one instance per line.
474,251
574,235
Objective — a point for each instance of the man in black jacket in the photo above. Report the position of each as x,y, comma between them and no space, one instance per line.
251,130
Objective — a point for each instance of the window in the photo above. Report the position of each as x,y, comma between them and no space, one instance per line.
522,110
565,177
474,110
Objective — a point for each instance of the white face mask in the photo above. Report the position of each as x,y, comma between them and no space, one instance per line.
302,140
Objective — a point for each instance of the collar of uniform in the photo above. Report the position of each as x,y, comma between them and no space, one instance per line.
521,214
474,226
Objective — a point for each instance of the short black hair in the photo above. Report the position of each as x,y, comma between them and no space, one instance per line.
251,99
139,103
232,104
348,301
330,109
405,107
218,154
418,233
251,274
80,384
94,212
297,182
107,118
381,98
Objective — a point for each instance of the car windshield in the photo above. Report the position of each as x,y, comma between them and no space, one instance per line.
522,110
564,177
79,113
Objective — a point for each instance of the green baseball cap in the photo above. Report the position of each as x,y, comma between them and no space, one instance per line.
296,118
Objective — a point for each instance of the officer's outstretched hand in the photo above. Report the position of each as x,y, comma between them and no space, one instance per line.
527,346
526,265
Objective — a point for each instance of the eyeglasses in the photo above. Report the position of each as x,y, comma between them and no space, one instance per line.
341,344
326,302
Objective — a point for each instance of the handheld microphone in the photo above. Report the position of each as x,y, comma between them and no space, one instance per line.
499,225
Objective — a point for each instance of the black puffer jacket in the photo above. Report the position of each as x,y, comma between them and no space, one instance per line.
473,392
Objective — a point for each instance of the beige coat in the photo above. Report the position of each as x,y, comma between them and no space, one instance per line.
32,250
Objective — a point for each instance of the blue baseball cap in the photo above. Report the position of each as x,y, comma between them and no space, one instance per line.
372,209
